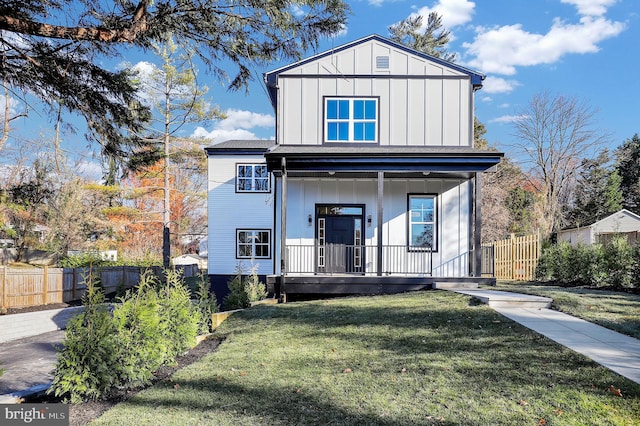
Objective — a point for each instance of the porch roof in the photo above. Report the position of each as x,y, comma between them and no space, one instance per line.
369,158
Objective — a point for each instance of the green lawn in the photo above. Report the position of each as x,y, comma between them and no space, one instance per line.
413,359
615,310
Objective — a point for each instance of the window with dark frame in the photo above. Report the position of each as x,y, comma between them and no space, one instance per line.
252,178
253,244
351,120
422,222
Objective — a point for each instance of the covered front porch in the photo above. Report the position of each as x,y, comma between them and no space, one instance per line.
345,218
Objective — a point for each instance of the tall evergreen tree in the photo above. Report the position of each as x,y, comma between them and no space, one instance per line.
432,40
176,100
597,193
628,167
56,49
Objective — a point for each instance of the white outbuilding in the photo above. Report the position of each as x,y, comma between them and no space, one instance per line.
623,222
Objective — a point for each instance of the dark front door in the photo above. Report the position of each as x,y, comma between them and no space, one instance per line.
339,239
339,243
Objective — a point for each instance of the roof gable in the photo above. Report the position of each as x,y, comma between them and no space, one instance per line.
373,56
620,219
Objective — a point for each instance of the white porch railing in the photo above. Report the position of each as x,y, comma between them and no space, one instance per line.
334,259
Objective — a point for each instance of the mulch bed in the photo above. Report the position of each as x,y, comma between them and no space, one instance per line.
41,308
83,413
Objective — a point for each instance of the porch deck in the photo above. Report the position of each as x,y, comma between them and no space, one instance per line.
366,284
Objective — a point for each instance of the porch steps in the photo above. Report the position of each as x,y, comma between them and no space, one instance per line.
505,299
455,285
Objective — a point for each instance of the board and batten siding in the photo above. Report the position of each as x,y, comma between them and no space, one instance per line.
451,258
421,102
229,211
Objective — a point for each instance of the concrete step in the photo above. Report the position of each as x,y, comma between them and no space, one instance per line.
505,299
452,285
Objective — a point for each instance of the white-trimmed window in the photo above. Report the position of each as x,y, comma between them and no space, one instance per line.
253,243
422,222
252,178
351,120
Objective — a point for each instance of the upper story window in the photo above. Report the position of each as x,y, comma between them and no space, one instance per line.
422,222
351,120
252,178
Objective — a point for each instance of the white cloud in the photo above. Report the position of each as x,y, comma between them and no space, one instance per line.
498,85
297,10
90,169
145,68
500,50
236,126
221,135
591,7
486,99
246,119
453,12
508,119
12,106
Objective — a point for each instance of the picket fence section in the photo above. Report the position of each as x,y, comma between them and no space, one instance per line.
21,287
514,258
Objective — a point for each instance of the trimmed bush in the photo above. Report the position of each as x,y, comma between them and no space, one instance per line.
614,264
619,262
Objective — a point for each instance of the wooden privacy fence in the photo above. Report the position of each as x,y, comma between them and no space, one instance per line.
514,258
20,288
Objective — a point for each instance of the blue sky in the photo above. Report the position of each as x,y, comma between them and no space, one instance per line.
587,49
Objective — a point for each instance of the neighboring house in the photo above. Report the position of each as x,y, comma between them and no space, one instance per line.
623,222
190,259
372,184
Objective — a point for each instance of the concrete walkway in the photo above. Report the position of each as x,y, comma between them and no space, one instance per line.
613,350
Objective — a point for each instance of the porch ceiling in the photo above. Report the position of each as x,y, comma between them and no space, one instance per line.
394,159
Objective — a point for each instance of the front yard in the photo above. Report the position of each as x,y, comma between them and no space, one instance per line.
417,358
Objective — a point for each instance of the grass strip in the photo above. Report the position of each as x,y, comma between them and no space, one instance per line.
615,310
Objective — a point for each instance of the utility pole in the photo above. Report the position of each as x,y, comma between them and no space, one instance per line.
166,216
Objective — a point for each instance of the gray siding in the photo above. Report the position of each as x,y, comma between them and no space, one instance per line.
432,105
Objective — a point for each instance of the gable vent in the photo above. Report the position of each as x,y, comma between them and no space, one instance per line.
382,62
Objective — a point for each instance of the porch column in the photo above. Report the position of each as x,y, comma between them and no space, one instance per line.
477,226
380,220
283,225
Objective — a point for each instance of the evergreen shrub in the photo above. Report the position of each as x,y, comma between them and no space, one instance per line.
614,264
85,366
143,346
105,352
206,304
179,318
244,289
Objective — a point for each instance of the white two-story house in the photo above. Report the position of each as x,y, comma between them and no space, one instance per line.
372,184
